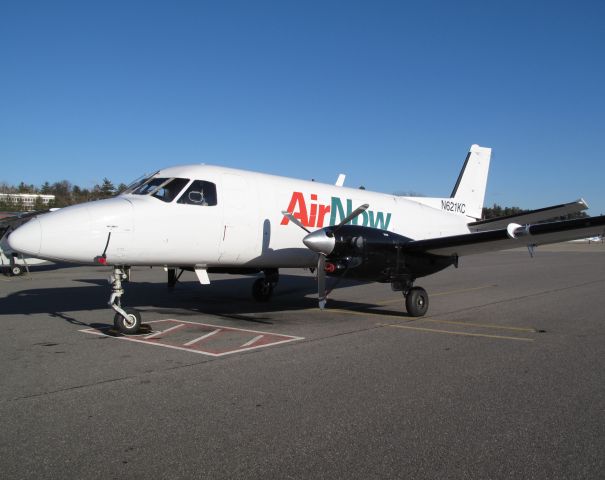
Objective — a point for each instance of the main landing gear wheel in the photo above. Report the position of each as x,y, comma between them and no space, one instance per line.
262,290
417,302
128,325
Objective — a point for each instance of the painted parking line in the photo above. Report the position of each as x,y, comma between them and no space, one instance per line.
438,294
253,341
199,339
163,332
463,334
215,340
380,314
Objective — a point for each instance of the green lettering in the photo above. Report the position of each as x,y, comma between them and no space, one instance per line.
378,221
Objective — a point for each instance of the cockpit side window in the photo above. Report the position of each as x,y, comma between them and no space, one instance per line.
165,189
200,192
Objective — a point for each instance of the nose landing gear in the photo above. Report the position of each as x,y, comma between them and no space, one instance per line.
126,320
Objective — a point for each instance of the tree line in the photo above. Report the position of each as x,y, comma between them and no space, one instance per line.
64,191
497,211
67,194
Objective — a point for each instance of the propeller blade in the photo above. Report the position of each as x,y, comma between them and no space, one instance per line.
294,220
352,215
321,281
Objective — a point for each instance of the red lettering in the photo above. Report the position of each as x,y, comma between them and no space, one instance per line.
298,208
313,211
323,209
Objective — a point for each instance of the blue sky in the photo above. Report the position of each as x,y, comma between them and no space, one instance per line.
392,93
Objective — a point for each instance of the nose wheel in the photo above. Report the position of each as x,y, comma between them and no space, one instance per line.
128,325
16,270
126,320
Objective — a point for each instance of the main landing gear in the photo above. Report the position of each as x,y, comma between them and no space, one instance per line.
262,288
416,298
126,320
417,302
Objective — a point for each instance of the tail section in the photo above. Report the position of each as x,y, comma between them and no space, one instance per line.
469,191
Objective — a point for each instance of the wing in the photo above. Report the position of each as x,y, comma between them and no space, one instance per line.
531,216
511,237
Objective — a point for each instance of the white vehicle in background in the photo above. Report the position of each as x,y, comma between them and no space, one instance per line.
12,262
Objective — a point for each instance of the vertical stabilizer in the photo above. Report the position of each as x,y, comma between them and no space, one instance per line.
472,181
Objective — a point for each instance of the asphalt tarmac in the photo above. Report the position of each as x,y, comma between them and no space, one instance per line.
504,379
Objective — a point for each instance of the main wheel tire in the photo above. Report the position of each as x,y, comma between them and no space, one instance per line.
417,302
262,290
16,270
130,325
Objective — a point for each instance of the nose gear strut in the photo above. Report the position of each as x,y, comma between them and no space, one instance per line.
126,320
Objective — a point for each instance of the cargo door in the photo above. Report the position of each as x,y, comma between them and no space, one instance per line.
241,229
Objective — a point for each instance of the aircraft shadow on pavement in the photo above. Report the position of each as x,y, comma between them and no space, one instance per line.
226,298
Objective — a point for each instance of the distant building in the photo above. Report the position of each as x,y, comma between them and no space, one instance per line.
26,201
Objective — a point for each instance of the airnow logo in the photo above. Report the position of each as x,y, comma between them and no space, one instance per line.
313,214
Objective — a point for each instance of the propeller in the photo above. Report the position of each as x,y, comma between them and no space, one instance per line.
322,241
294,220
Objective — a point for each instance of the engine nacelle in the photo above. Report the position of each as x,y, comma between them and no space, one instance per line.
378,255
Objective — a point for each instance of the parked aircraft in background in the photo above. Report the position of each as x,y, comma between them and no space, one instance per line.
214,219
13,262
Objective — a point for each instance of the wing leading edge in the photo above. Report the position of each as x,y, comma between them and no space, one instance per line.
531,216
511,237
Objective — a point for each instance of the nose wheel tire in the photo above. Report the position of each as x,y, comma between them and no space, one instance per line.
16,270
417,302
262,290
128,325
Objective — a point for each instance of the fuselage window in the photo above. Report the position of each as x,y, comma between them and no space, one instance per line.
199,192
165,189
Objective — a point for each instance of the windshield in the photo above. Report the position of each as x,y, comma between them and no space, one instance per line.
165,189
138,182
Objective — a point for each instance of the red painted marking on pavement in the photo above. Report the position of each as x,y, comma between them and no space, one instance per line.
202,344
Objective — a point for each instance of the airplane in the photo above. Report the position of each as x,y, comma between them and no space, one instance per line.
12,262
212,219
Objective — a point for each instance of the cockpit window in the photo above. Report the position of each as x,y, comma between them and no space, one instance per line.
165,189
199,192
138,182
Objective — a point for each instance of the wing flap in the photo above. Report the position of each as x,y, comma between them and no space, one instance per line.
531,216
504,239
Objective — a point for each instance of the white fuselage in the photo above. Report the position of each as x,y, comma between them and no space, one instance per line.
244,225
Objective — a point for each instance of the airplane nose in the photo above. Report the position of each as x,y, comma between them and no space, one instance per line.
27,238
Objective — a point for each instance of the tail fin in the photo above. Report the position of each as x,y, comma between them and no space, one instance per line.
472,181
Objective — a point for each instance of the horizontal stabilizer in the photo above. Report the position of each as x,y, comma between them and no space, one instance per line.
531,216
507,238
